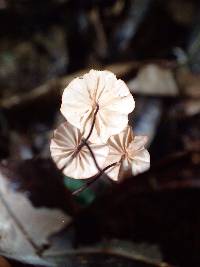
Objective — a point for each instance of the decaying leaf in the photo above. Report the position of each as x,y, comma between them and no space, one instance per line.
41,181
24,229
154,80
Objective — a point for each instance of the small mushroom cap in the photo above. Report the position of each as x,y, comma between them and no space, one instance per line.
75,163
102,90
129,151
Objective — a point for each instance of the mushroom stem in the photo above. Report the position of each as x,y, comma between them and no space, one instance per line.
84,142
93,156
94,179
93,123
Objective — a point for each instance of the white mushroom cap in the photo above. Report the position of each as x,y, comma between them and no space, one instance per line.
97,90
129,151
75,163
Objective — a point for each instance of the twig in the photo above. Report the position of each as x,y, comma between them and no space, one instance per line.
55,86
111,252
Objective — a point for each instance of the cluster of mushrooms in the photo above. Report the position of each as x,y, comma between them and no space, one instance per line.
96,137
